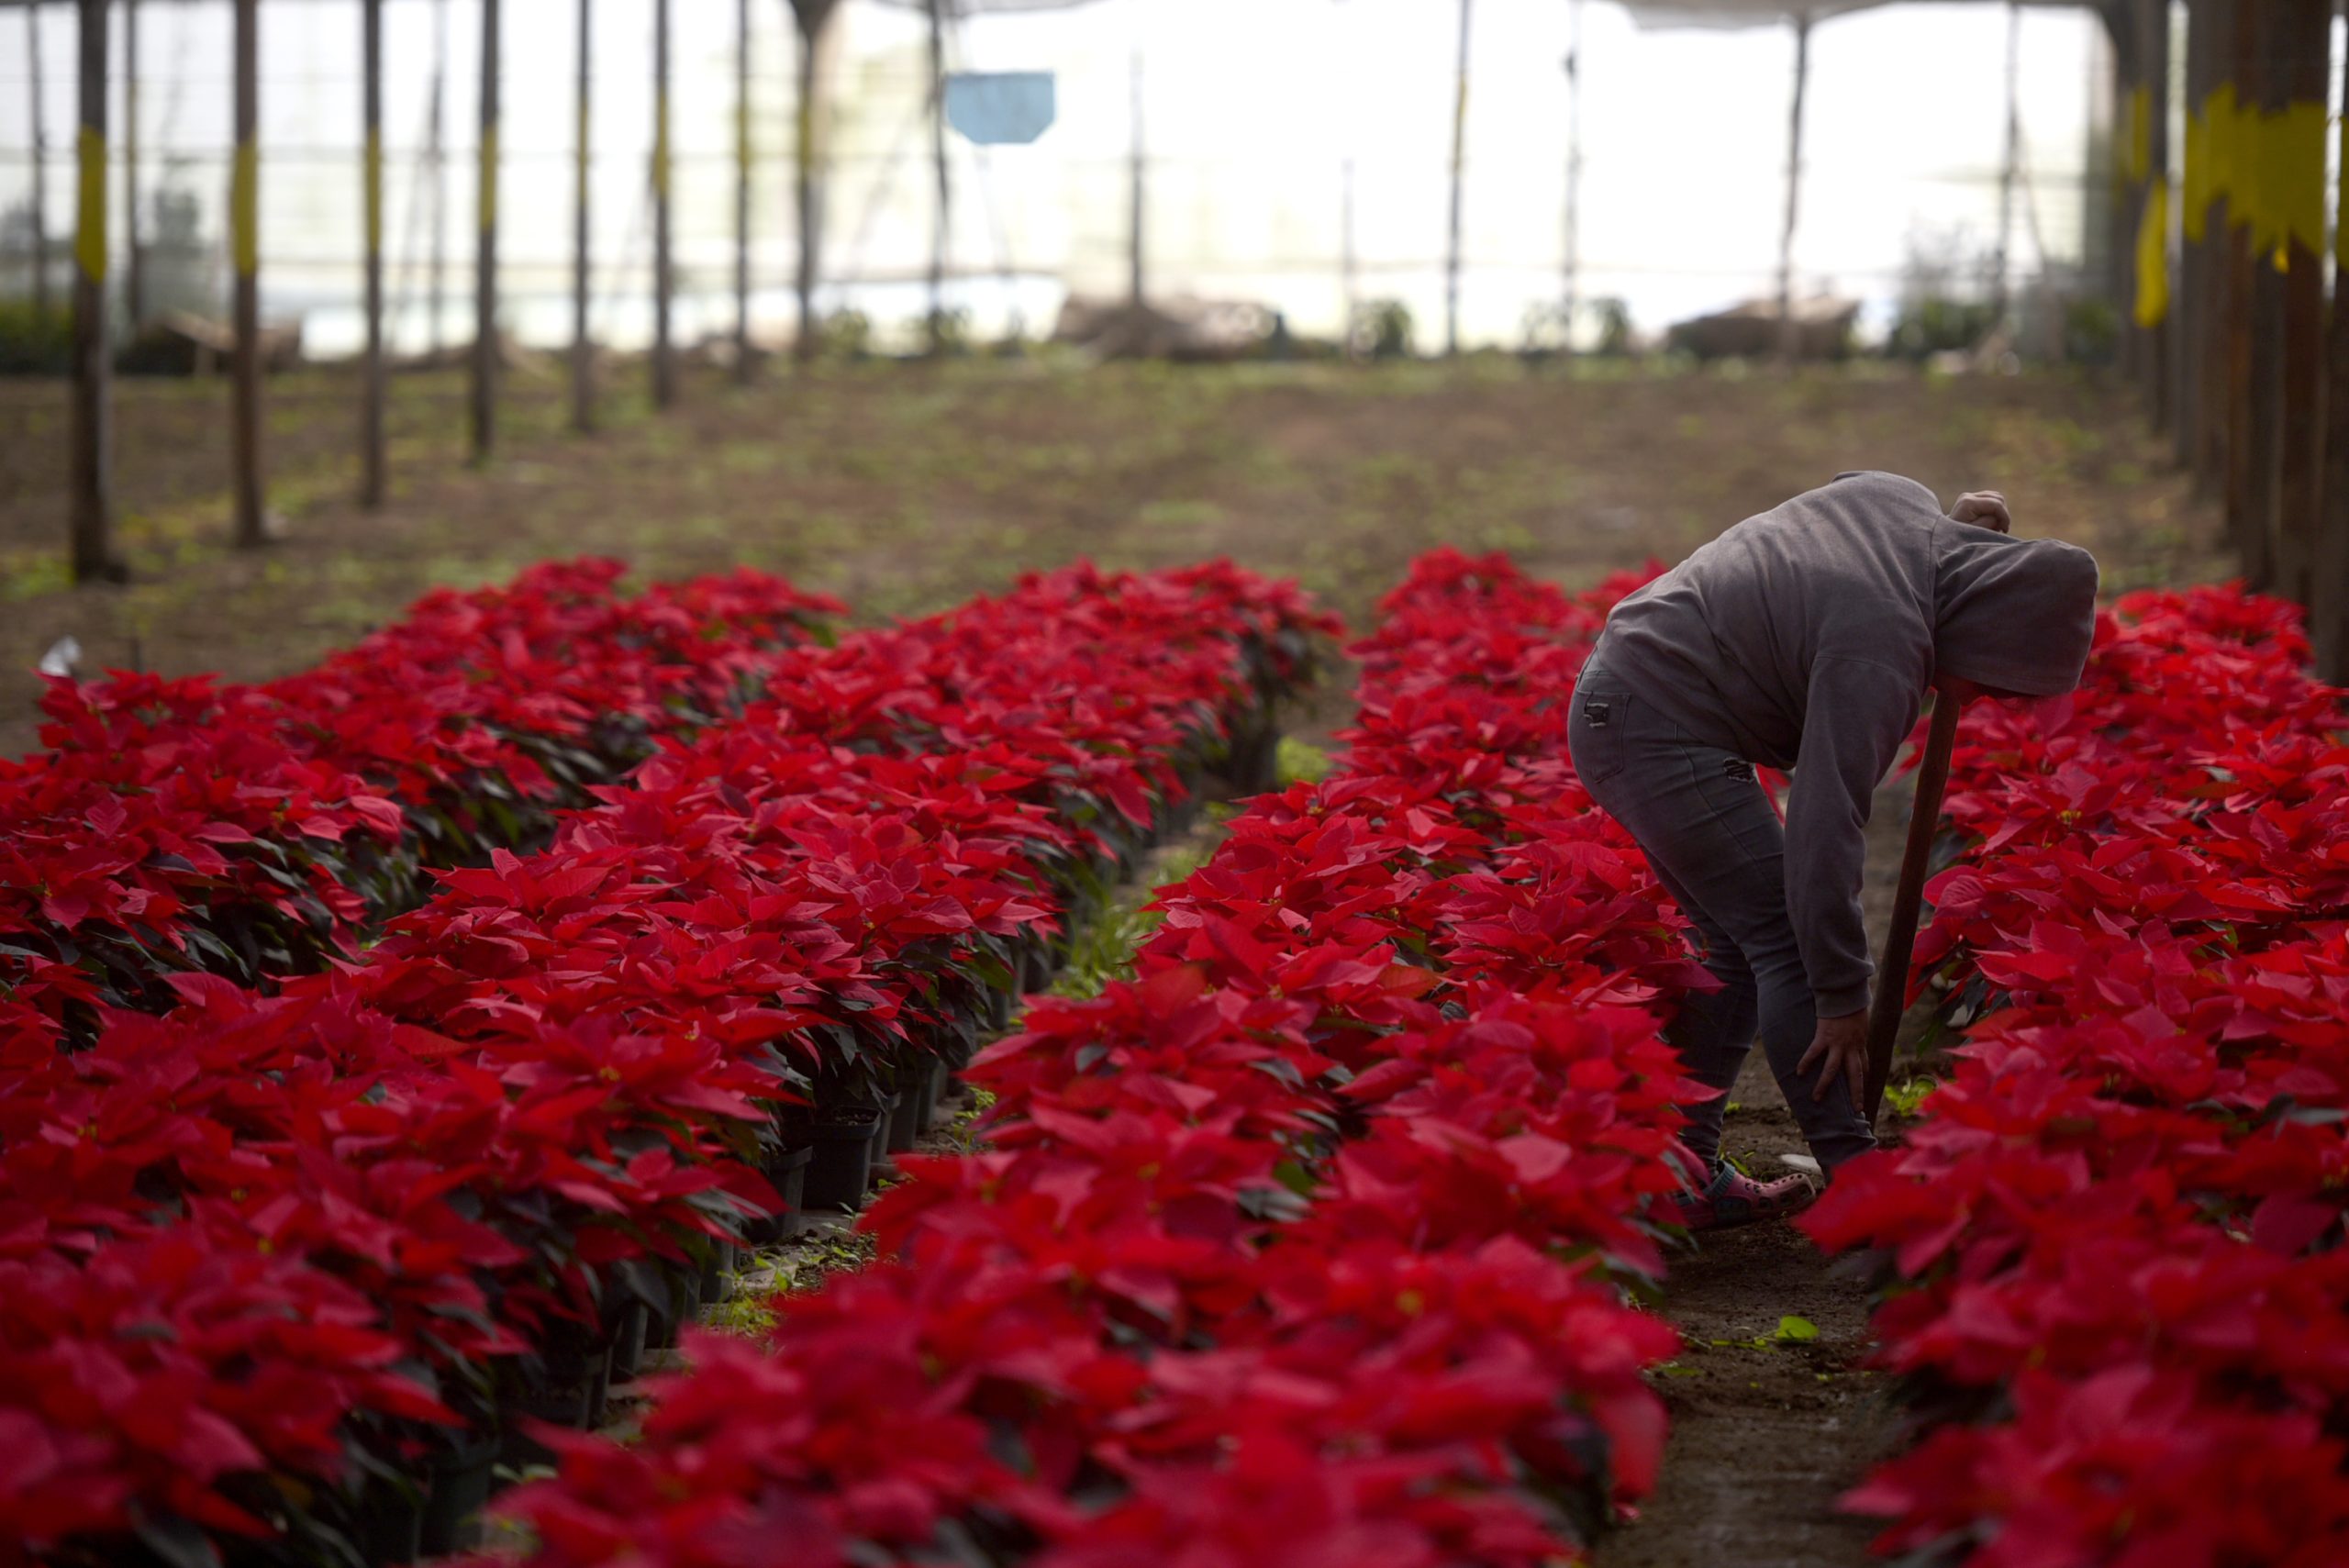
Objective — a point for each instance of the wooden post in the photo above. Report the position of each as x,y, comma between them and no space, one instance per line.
485,349
743,166
810,17
134,273
1459,179
2249,541
583,350
2329,610
40,161
2299,47
2149,228
371,417
2191,308
1891,997
244,223
1570,285
2212,467
665,368
1789,330
942,216
1135,281
93,417
2263,494
2010,167
436,157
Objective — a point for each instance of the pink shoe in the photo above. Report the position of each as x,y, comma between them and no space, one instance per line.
1734,1198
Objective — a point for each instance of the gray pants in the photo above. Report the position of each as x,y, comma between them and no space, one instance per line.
1717,846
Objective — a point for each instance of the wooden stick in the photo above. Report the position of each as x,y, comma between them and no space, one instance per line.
1892,975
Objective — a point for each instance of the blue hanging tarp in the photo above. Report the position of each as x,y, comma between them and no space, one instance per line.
992,107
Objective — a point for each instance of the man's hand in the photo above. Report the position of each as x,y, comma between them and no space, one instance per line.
1841,1045
1983,509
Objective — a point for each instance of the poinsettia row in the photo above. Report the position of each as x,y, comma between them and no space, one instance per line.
552,1083
2113,1250
1308,1243
250,830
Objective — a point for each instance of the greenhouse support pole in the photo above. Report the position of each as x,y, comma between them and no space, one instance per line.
2328,613
93,409
2301,50
40,160
1790,328
2241,268
2264,495
2192,309
370,397
1135,281
485,349
2009,165
743,169
244,225
809,17
583,347
133,254
436,157
1459,172
1570,286
2149,209
664,361
942,215
2212,464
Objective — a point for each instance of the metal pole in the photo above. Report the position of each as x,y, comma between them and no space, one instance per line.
942,217
93,409
40,162
134,277
2246,525
583,350
2210,459
2193,305
2001,265
244,218
485,351
1789,330
1570,300
371,417
2328,609
810,16
1349,264
743,171
2265,564
664,369
436,157
1134,278
1459,171
2148,127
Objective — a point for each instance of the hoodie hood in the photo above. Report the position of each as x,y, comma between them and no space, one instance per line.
2016,615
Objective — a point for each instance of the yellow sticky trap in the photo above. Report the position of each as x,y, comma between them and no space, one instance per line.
2153,257
244,210
2260,183
2218,141
485,196
2298,146
90,222
660,144
372,174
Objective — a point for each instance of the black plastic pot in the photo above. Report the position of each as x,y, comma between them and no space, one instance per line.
786,1171
390,1527
627,1341
841,1163
456,1491
933,1089
905,1121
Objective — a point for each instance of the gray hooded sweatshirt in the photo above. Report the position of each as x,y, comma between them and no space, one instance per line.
1805,638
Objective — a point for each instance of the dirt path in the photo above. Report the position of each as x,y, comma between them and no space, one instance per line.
1768,1432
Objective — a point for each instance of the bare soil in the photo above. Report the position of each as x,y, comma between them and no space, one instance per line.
904,487
1767,1433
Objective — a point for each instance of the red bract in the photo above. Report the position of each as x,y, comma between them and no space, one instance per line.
2126,1205
1265,1260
